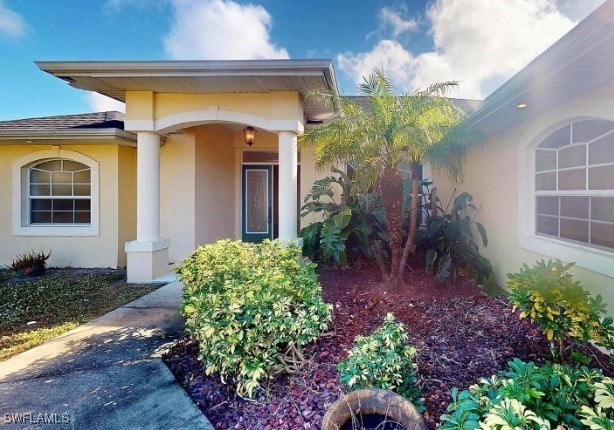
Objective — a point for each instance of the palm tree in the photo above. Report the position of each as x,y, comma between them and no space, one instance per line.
395,128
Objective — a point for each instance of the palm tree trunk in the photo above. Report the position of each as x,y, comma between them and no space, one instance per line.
392,202
410,245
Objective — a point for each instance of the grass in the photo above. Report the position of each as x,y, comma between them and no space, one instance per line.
35,310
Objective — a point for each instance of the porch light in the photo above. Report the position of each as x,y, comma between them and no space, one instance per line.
250,135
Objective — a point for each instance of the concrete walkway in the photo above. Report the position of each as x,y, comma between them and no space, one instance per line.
106,374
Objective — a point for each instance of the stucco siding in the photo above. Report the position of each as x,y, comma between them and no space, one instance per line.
177,194
127,200
75,251
215,170
499,174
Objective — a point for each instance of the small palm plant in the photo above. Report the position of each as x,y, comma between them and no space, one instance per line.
31,263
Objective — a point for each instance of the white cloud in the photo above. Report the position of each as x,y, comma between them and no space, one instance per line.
220,30
11,23
99,103
478,43
578,9
391,18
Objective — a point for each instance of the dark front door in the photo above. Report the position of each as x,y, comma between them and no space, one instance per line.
257,205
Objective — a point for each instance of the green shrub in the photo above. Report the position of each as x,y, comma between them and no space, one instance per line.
530,397
383,359
251,307
547,294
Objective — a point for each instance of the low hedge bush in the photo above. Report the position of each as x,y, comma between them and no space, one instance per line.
527,396
384,359
251,307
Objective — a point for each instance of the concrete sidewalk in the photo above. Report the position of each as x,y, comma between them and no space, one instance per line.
106,374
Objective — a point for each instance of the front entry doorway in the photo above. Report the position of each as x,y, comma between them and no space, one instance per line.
260,202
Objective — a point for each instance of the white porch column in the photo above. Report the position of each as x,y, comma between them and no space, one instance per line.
148,254
288,176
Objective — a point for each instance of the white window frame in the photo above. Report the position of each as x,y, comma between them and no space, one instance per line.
595,259
21,215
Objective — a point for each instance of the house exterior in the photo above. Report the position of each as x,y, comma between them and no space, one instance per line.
145,189
544,176
179,175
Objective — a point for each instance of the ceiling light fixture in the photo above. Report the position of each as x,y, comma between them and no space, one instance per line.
521,105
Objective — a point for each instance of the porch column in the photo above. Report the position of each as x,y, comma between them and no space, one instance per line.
148,254
288,175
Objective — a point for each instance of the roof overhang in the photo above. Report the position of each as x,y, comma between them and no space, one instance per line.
115,78
580,62
81,136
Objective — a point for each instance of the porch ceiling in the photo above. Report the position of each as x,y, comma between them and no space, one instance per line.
580,62
114,78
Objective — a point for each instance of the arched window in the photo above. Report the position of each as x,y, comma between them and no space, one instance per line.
59,192
574,184
56,193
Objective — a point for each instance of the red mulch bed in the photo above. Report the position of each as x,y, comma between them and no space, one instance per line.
460,335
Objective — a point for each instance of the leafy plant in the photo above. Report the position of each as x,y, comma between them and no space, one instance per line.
547,294
383,359
32,263
448,240
252,307
355,226
527,396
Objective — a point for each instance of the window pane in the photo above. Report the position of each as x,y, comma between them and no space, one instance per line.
575,207
601,178
574,156
547,225
82,190
585,131
572,179
558,139
37,176
602,150
63,204
575,230
62,190
545,181
82,217
61,178
73,166
39,190
82,177
545,160
602,208
40,218
82,205
53,165
62,217
548,205
602,234
40,204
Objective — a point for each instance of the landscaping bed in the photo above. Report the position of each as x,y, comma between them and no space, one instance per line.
460,336
33,310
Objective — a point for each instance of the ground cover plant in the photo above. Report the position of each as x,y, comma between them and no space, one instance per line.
33,310
460,336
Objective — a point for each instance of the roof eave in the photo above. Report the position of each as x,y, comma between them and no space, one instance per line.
83,136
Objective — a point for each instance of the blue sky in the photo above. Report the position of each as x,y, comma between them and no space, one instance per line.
477,42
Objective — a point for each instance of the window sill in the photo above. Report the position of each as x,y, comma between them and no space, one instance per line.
593,259
49,230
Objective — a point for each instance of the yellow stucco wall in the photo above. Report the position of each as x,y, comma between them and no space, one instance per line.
215,172
496,174
177,194
82,251
127,200
142,105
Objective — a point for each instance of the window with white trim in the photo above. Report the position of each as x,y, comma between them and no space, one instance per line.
574,184
59,192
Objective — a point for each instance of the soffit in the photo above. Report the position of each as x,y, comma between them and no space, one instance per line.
114,79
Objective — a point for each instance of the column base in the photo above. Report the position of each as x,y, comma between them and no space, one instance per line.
147,260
